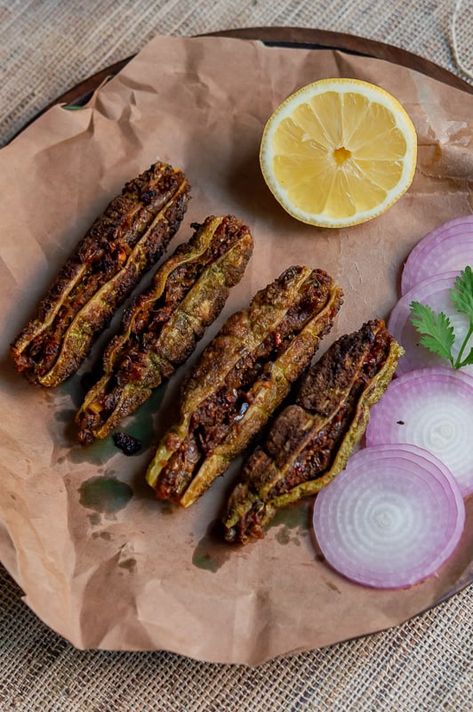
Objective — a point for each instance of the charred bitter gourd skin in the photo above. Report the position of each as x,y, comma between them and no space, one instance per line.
161,328
108,263
311,440
241,378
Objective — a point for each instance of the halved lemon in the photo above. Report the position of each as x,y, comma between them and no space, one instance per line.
338,152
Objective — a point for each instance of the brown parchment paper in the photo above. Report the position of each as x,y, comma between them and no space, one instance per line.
99,560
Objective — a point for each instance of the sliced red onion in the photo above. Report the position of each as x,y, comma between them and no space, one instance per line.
434,292
391,518
431,408
448,247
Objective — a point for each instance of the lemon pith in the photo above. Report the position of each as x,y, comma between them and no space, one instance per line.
338,152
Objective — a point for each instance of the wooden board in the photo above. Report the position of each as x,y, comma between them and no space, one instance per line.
295,37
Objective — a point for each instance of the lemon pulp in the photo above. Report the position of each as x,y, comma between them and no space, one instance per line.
338,152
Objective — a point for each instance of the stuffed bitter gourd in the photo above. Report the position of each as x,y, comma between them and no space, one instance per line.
241,378
108,263
161,328
310,441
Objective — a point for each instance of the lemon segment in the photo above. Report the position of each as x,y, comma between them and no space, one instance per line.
338,152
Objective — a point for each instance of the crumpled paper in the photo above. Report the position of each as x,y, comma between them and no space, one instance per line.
99,560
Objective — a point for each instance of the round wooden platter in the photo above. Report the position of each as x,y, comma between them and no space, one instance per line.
307,38
286,37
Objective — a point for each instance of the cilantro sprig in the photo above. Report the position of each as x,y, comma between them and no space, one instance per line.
435,328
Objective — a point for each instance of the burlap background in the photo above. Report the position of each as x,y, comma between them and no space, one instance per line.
426,664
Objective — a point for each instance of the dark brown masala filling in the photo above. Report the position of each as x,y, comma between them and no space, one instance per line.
110,242
153,316
318,455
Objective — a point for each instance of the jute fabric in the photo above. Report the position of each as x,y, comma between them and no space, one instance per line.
426,664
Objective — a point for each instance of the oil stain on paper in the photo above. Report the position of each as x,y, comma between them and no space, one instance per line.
128,564
140,426
292,523
106,495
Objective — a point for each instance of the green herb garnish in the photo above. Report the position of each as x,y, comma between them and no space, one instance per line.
436,329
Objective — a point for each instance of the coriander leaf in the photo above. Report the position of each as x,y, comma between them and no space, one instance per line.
459,362
437,332
468,360
462,293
